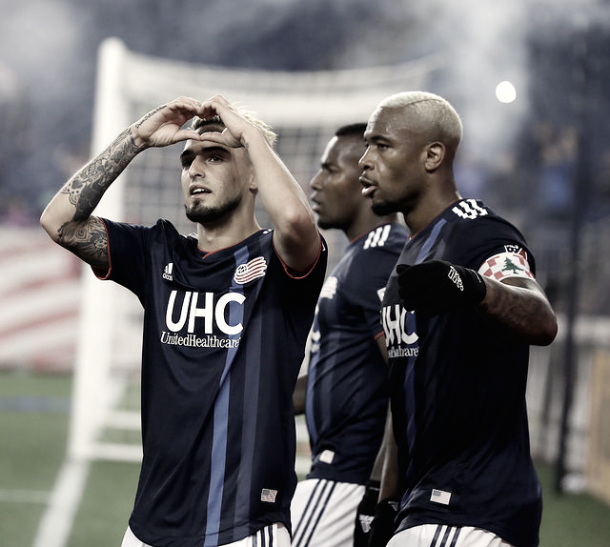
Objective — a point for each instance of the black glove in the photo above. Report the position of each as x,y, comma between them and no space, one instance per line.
437,286
365,514
383,526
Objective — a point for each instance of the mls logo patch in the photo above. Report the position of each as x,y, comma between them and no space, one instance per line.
251,270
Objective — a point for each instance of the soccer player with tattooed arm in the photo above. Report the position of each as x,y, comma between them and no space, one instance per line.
459,313
227,312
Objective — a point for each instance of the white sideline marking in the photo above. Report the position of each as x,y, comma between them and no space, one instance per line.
56,524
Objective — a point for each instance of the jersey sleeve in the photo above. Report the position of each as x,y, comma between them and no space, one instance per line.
299,290
492,247
127,244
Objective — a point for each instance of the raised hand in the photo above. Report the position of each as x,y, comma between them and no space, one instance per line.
236,124
163,126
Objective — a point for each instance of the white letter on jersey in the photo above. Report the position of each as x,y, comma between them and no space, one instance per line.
396,329
220,313
207,312
175,327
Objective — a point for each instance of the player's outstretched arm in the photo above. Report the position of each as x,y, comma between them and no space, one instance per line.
296,237
520,306
68,217
516,304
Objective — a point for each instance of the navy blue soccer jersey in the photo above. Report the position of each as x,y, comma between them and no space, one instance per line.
224,337
347,390
458,390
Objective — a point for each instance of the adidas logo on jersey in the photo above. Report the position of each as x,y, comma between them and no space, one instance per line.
469,209
329,288
377,237
168,271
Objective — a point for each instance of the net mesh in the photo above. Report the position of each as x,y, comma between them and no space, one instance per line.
303,108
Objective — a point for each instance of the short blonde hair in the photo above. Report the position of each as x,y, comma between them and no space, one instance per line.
268,133
431,109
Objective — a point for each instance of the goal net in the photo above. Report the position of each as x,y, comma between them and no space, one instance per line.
304,108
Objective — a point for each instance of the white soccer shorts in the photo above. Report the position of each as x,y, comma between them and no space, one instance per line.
276,535
324,513
437,535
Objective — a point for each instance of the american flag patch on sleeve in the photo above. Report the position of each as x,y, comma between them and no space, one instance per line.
438,496
268,495
507,264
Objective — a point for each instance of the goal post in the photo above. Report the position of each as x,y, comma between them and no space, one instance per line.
304,108
93,396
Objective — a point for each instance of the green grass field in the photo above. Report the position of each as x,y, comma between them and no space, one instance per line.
34,414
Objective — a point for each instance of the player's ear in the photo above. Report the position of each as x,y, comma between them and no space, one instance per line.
252,184
249,174
435,154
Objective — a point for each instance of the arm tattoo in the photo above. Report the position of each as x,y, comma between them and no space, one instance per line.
149,115
88,241
520,307
86,188
85,235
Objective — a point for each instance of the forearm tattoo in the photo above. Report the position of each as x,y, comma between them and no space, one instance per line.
85,235
86,188
88,241
523,311
149,115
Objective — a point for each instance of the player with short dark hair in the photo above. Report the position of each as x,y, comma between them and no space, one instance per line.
459,313
346,388
226,318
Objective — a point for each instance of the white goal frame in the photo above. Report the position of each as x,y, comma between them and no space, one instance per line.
305,108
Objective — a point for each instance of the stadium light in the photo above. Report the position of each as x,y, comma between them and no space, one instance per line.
506,92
